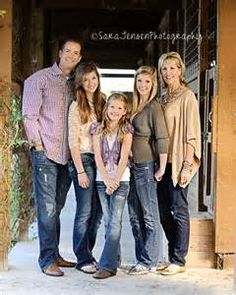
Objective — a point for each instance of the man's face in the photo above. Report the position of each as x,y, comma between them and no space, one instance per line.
70,56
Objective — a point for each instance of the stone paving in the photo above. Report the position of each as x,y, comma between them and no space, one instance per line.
24,276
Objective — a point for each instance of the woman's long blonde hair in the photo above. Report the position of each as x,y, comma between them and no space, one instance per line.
98,99
152,72
123,122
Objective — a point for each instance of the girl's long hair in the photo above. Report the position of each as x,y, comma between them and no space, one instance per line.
98,99
152,72
123,122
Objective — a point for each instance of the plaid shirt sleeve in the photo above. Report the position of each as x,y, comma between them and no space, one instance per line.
32,102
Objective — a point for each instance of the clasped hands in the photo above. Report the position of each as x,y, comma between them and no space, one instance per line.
111,185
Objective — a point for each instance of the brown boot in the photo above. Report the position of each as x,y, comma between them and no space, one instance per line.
65,263
103,274
53,270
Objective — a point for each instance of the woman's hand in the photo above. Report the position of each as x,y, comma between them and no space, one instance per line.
83,180
159,173
185,176
186,173
162,166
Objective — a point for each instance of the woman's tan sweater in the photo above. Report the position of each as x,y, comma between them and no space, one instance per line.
183,125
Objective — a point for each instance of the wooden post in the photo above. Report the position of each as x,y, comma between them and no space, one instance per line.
225,218
5,78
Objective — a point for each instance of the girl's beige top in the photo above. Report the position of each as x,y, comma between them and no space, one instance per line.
79,134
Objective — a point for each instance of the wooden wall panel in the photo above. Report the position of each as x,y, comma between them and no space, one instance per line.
225,214
201,247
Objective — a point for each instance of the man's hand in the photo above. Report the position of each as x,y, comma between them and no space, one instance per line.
39,147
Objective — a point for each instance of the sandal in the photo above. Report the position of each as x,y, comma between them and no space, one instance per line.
88,268
162,266
173,269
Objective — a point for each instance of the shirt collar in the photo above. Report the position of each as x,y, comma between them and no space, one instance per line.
58,72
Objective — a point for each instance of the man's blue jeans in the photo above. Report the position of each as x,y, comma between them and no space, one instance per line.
143,212
174,214
112,207
88,213
51,184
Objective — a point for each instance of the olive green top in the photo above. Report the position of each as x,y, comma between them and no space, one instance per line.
150,133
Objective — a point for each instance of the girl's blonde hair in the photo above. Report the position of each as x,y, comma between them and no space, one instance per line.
123,122
179,63
152,72
98,99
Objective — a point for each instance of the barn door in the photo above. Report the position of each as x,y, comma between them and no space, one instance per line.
207,170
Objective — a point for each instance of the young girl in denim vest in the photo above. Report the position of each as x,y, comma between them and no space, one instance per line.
112,140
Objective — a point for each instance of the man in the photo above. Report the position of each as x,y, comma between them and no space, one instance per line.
47,96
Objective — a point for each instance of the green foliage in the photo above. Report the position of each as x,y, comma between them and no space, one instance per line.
16,163
16,122
20,191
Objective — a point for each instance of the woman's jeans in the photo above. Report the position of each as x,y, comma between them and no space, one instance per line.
112,207
88,213
174,215
143,212
51,184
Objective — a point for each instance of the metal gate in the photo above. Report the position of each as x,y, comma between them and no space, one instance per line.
207,170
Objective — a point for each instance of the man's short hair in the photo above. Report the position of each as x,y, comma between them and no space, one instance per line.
63,42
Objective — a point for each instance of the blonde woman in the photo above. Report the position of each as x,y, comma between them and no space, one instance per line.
183,123
149,150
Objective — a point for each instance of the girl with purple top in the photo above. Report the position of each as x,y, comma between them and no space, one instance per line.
112,143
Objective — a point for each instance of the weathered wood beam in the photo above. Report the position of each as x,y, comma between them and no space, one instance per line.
225,137
5,78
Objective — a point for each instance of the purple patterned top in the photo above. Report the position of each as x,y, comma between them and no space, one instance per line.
110,156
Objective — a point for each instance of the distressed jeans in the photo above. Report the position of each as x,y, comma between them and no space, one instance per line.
143,212
112,207
51,184
88,213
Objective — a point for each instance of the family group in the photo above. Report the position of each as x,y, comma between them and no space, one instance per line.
144,149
